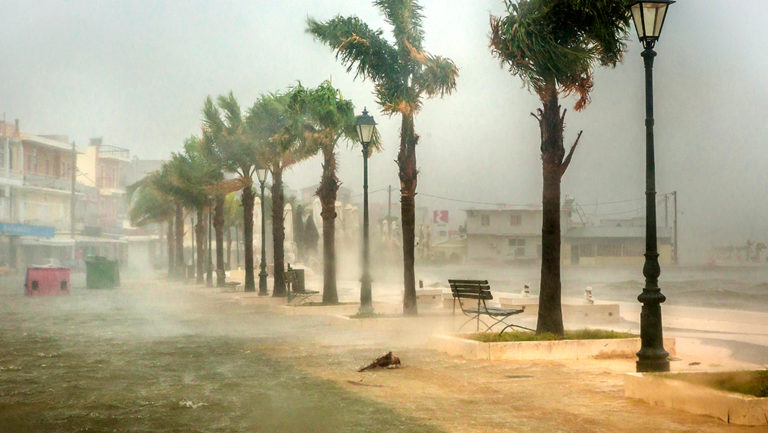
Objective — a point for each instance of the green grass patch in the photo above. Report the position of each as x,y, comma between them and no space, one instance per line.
577,334
753,383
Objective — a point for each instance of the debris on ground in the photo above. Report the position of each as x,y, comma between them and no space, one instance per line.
387,361
360,383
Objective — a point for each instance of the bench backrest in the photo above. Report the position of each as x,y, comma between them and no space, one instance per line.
471,289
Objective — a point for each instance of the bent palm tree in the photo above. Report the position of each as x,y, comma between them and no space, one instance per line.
402,74
328,118
231,144
149,205
553,47
192,178
277,130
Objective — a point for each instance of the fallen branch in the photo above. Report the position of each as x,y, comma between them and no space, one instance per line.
387,361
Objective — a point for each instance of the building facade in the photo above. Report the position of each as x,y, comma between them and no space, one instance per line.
103,167
514,235
35,197
508,234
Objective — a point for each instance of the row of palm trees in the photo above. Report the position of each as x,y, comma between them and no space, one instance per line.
553,46
279,130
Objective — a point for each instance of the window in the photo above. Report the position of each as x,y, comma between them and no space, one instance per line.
516,242
515,220
612,249
485,220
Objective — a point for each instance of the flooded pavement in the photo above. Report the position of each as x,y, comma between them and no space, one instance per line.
160,356
131,360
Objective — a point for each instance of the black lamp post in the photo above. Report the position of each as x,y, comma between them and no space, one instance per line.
261,174
649,18
365,127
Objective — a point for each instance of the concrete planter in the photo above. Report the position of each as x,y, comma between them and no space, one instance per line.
541,350
661,389
574,310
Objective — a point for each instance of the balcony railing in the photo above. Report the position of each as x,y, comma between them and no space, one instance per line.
61,183
106,150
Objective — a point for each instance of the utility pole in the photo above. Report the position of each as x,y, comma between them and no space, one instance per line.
666,210
389,212
674,203
72,198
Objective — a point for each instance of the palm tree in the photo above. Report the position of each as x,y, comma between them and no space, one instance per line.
149,205
328,118
192,178
232,144
402,74
163,185
278,129
553,46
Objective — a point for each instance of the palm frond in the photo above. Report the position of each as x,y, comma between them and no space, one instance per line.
405,17
545,41
438,77
357,46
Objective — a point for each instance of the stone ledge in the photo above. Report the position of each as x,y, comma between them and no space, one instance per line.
660,389
541,350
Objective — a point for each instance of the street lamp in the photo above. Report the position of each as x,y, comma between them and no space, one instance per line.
649,18
365,127
261,174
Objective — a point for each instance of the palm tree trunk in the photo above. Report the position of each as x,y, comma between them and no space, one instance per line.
170,240
218,225
228,236
199,238
278,231
329,185
406,161
180,266
248,198
550,319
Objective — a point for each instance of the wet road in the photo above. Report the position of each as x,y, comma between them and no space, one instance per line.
144,360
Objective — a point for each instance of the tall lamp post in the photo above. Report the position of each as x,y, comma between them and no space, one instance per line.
261,174
649,18
365,127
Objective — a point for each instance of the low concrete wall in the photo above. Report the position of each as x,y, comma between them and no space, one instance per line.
661,389
575,311
542,350
429,297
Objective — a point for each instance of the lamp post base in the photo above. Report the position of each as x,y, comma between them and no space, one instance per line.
366,302
652,365
262,283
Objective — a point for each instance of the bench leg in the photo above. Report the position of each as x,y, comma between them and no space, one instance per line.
512,325
467,322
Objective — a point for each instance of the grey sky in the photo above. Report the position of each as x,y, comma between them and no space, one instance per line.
136,73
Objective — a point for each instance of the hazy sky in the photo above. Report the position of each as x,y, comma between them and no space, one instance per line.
136,73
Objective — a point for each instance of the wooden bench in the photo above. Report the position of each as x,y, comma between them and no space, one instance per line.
480,291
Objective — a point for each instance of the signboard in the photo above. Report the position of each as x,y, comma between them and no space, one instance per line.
440,217
26,230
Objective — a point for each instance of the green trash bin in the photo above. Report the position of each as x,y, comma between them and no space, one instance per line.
101,273
298,281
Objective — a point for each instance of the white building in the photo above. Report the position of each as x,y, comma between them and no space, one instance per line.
507,234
